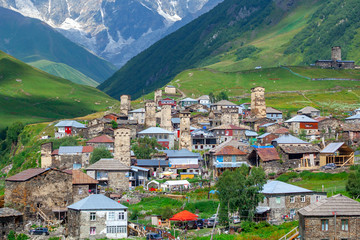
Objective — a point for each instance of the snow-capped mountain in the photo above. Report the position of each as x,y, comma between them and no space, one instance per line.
116,30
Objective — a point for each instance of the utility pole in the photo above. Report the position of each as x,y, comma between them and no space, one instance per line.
217,214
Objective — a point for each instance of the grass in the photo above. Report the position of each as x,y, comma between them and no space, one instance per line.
30,95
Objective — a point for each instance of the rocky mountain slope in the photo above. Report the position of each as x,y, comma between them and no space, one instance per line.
116,30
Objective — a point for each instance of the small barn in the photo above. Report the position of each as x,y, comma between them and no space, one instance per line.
338,153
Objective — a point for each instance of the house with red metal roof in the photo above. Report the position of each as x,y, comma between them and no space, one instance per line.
228,157
104,141
268,158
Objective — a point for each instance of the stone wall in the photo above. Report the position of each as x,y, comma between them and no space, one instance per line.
9,223
67,161
51,189
258,105
150,118
310,228
73,223
118,181
46,159
80,192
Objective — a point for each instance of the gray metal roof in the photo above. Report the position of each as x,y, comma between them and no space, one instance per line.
263,135
175,120
261,209
155,130
289,139
151,163
225,103
278,187
230,164
301,118
332,147
308,110
267,124
70,123
109,164
343,206
136,169
357,116
139,110
180,153
188,100
250,133
70,149
97,202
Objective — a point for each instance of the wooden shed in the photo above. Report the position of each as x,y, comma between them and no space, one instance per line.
338,153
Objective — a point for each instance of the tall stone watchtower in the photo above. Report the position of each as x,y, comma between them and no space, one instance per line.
46,159
125,104
122,146
185,135
157,96
150,118
166,117
336,53
258,105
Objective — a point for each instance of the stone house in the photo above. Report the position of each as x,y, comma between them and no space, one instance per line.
97,126
351,133
10,219
203,139
266,138
155,166
187,102
111,174
285,200
68,128
280,131
97,216
273,114
336,62
103,141
302,123
137,115
228,157
268,158
82,184
112,116
164,137
269,127
214,118
226,132
71,157
224,104
167,101
353,119
329,127
204,100
39,192
336,217
169,89
309,111
183,161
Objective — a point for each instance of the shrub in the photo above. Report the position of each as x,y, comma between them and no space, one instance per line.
248,226
287,176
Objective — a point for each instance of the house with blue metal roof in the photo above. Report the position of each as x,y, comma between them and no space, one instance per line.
284,200
302,123
68,128
164,137
97,216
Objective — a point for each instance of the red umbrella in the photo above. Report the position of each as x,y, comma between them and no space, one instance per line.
184,216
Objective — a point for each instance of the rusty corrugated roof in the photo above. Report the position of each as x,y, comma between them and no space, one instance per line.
268,154
78,177
281,131
30,173
101,139
88,149
229,150
55,152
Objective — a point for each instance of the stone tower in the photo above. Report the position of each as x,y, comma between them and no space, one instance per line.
122,146
336,53
229,117
166,117
46,159
158,96
125,104
185,141
258,105
150,118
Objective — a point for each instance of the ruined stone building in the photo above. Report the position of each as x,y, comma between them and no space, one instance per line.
157,96
166,118
122,151
39,193
125,104
10,219
258,105
336,62
150,118
336,217
97,216
185,141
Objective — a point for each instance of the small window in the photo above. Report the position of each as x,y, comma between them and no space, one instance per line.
344,225
318,198
278,200
111,216
324,225
92,230
92,216
302,198
292,199
121,215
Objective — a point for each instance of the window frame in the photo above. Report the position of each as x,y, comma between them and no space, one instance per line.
345,225
92,216
324,225
111,216
303,198
292,199
121,215
92,230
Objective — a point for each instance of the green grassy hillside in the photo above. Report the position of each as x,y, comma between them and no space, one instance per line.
286,88
64,71
30,95
240,35
31,40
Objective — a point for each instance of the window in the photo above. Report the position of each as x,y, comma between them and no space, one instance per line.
121,215
278,200
92,216
302,198
111,216
92,230
324,225
318,198
116,229
292,199
344,225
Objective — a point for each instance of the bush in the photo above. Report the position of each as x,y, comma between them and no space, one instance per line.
287,176
100,153
248,226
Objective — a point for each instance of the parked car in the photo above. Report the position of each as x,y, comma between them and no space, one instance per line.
39,231
195,224
328,166
209,222
235,219
152,235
